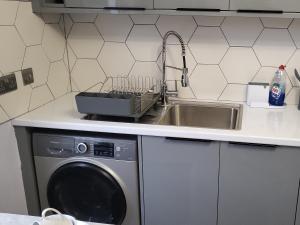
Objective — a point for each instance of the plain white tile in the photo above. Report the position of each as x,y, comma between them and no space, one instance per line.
240,65
274,47
107,86
8,11
207,82
11,49
235,93
40,96
16,103
3,116
293,64
53,42
68,23
36,59
115,59
29,25
185,92
266,75
144,19
58,79
71,57
83,17
241,31
270,22
114,27
292,97
295,31
208,45
209,21
95,88
146,69
183,25
85,40
86,73
174,58
144,42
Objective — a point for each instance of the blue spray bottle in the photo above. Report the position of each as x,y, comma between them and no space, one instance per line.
277,88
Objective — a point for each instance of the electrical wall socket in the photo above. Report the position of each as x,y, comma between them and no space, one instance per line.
27,75
8,83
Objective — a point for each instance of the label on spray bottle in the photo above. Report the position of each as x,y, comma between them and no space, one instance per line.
277,90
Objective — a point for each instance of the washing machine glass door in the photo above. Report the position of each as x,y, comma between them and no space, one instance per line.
87,192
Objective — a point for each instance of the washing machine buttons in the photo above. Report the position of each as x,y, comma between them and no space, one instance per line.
82,148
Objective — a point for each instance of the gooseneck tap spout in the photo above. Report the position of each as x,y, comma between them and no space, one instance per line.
184,69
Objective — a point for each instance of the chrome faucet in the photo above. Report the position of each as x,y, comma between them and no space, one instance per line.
184,77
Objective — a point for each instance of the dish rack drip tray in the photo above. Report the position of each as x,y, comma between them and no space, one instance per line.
124,97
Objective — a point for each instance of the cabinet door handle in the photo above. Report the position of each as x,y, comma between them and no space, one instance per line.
198,9
188,139
125,8
260,11
267,146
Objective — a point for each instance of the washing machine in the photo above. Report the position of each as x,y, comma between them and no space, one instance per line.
91,177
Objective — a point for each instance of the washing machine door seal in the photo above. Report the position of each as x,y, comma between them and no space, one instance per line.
87,192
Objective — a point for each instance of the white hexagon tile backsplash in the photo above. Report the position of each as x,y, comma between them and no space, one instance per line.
223,53
31,41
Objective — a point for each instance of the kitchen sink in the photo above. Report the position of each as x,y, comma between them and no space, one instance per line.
218,116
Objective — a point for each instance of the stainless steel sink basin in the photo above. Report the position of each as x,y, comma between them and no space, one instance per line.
218,116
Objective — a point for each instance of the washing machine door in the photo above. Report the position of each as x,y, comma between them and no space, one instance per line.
87,192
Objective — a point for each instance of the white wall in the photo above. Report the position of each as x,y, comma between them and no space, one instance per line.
12,196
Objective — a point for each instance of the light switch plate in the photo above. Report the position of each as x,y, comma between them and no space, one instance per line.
27,75
8,83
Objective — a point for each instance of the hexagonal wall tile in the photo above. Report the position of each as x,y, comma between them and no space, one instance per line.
107,86
208,45
295,31
8,11
3,116
239,65
294,63
58,79
266,75
114,27
234,92
85,40
183,25
29,25
144,19
274,47
207,82
174,58
146,69
209,21
270,22
16,103
68,22
292,97
51,17
241,31
83,17
71,57
95,88
144,42
86,73
40,96
36,59
53,42
185,92
115,59
12,49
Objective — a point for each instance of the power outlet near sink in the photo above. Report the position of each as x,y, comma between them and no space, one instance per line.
27,75
8,83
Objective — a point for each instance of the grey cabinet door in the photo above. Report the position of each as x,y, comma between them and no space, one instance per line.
258,185
201,4
180,181
287,5
148,4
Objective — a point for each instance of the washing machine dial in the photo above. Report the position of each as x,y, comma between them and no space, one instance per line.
82,148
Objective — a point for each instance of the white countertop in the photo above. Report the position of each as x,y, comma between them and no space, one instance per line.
264,126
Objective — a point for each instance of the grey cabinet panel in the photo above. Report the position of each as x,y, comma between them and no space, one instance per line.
148,4
287,5
258,185
180,181
174,4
